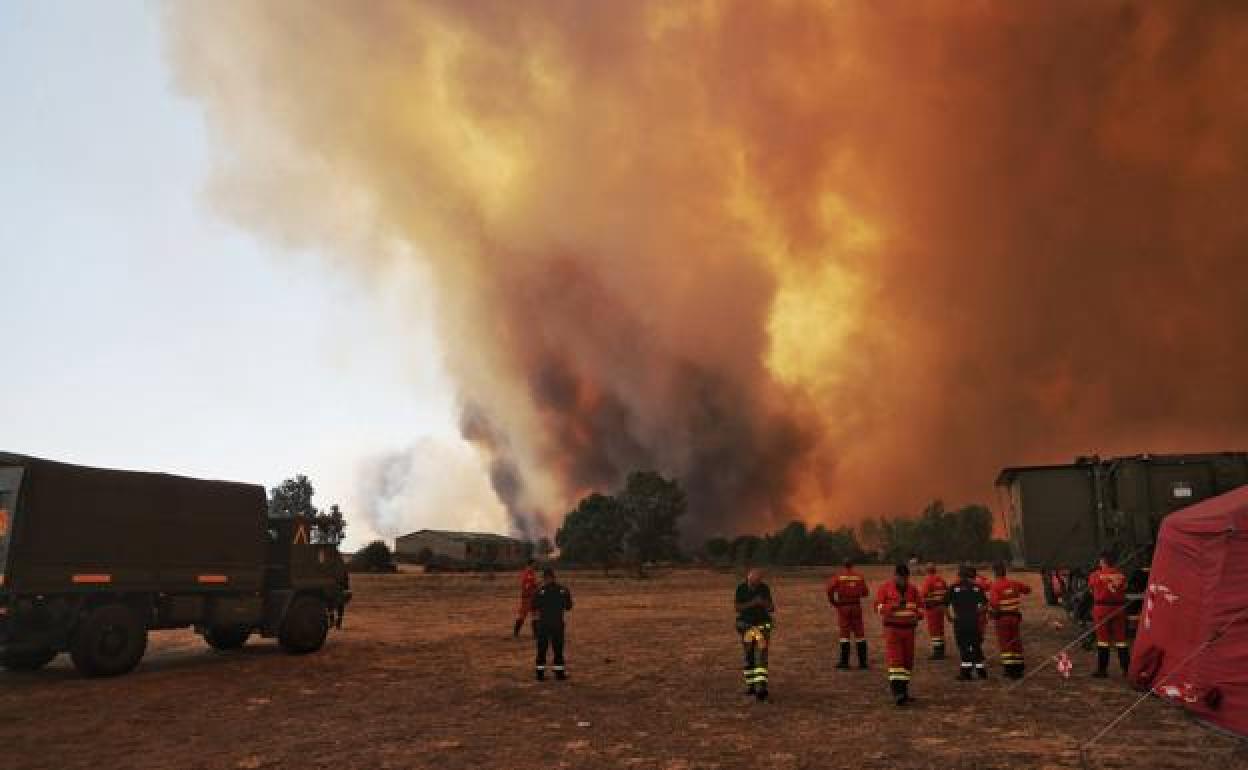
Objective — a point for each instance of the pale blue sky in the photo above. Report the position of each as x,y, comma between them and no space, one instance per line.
145,331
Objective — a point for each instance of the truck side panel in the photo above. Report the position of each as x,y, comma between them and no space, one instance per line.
1058,516
81,529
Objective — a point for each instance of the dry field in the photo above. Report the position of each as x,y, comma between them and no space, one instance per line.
426,674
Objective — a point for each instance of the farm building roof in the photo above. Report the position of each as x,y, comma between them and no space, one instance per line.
477,537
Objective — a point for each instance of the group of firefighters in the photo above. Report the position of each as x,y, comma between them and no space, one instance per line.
967,605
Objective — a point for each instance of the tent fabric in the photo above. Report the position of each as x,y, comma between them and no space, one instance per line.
1192,646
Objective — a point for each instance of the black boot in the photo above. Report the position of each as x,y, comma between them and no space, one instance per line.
560,674
1124,659
938,651
516,631
541,675
981,670
761,693
1102,663
862,653
965,674
844,655
899,696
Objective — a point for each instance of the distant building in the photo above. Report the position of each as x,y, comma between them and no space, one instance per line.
462,548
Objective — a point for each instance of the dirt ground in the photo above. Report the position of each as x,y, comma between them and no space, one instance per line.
426,674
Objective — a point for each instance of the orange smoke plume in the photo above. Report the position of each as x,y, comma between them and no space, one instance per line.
818,260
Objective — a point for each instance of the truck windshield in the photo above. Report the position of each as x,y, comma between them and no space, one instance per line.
10,478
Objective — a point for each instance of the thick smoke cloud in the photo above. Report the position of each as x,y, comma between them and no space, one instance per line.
824,260
431,484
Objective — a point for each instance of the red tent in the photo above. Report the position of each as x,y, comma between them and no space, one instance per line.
1192,646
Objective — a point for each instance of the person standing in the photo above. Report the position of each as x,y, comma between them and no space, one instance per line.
846,590
965,603
1005,603
528,587
1109,597
549,603
985,585
754,607
898,604
933,592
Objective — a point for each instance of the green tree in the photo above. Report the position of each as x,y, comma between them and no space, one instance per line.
329,527
743,550
374,557
718,550
593,533
293,497
653,505
793,543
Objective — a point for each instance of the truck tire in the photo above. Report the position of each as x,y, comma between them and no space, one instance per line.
26,660
305,626
110,641
226,637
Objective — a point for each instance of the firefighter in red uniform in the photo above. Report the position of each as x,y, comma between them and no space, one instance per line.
899,606
1005,603
528,587
1109,597
846,590
933,592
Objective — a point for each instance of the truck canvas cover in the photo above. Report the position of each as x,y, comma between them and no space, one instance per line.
71,526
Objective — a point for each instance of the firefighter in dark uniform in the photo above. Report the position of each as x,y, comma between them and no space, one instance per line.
754,607
549,604
966,603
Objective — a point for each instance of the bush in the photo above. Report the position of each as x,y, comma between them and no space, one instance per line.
374,557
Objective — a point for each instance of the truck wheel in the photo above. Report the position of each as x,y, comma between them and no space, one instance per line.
226,637
110,641
26,660
305,626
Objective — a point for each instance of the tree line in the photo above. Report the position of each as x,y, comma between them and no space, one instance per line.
937,535
639,525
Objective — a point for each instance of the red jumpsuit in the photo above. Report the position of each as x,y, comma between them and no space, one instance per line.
933,591
1005,602
528,588
846,590
1109,597
899,612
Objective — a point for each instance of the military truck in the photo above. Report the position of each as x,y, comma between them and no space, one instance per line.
1061,517
91,560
